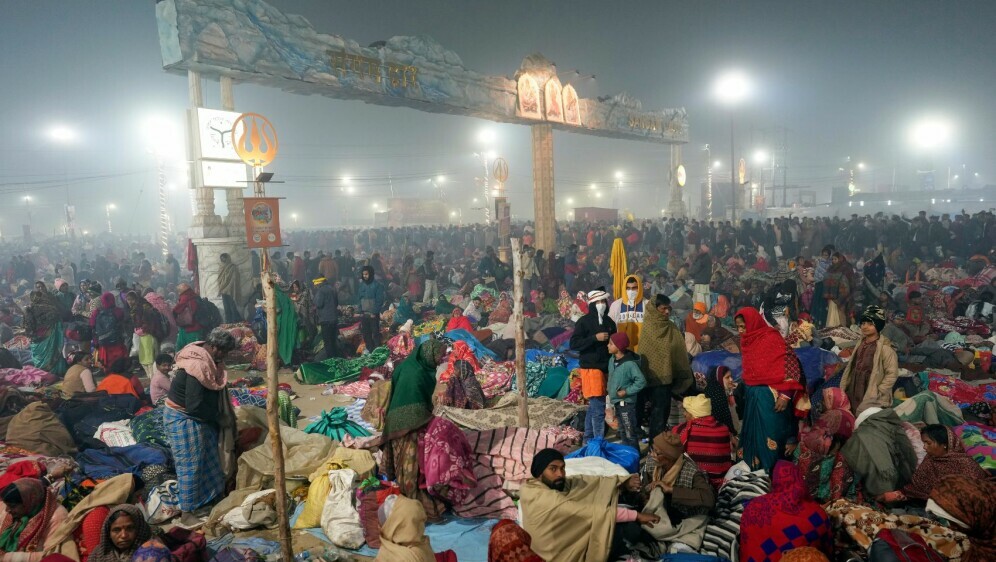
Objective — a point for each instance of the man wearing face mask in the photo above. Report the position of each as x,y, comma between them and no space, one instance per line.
627,312
591,341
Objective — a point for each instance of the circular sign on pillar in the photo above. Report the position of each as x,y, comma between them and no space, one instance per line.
500,170
742,171
680,175
254,139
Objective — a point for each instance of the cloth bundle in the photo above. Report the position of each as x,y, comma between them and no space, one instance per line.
335,424
336,369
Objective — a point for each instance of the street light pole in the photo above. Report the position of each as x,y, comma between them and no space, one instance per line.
733,175
708,151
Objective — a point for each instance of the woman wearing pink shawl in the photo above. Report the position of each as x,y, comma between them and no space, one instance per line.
165,309
195,407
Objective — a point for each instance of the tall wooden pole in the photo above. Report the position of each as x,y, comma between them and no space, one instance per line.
520,335
272,407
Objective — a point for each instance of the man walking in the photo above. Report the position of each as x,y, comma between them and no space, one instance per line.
327,303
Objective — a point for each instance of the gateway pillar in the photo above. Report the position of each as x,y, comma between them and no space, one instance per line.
543,193
676,207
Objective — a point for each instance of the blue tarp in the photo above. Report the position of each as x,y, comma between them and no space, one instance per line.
813,360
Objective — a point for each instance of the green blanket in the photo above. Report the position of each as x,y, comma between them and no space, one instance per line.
337,369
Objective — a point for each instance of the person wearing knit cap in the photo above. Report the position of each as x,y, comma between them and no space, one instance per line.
591,342
626,380
874,366
706,440
683,483
557,512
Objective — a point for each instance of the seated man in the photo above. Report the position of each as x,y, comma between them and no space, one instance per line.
686,488
578,518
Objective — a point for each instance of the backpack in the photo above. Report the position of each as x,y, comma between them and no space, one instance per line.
207,315
106,328
893,545
161,326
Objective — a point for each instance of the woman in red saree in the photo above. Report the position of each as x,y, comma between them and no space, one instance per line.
775,392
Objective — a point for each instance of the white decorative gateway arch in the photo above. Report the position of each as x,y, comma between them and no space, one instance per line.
251,41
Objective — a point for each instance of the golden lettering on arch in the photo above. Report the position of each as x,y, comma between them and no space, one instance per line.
343,63
646,123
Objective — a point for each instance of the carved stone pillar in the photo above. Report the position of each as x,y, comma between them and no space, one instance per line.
544,207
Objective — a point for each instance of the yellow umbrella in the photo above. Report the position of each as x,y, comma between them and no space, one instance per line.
617,264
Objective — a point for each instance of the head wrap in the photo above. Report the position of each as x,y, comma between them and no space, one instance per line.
875,315
595,296
105,551
620,340
697,406
542,459
669,445
59,283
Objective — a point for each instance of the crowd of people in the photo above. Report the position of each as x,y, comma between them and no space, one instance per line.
774,390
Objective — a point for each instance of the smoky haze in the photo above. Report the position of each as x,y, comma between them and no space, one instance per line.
835,79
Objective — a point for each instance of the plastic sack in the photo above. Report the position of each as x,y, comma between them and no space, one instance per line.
340,521
623,455
318,491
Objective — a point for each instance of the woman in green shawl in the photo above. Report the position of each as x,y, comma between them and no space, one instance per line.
405,311
43,324
409,411
29,512
668,372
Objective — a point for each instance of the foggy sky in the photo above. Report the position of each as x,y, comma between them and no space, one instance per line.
846,78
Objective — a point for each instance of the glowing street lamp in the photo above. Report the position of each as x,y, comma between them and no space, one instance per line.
731,89
931,133
760,156
294,217
61,134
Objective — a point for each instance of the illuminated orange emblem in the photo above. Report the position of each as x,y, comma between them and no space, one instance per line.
254,139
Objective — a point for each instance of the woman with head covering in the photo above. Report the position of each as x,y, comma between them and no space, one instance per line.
773,377
463,390
124,531
43,324
783,519
164,309
80,533
827,475
149,330
189,329
79,377
706,441
874,366
402,536
510,543
408,413
967,504
29,512
838,288
197,407
945,457
109,328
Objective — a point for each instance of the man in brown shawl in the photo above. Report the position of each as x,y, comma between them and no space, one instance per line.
578,519
230,289
667,369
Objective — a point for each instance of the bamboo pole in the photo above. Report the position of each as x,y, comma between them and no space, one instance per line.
272,414
520,335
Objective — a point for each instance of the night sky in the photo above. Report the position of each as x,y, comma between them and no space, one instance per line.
844,78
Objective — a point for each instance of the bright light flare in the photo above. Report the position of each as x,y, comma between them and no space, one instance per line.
486,136
931,133
760,157
732,87
62,133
